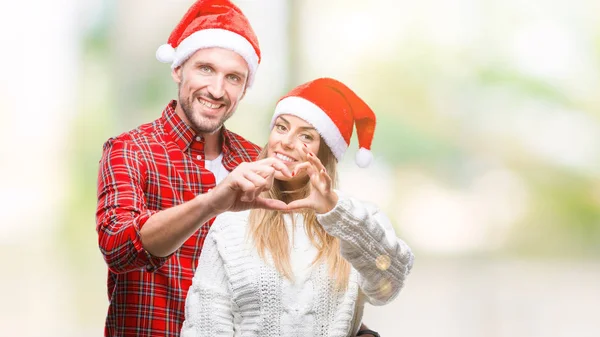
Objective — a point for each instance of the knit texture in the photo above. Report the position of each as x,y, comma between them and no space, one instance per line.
236,293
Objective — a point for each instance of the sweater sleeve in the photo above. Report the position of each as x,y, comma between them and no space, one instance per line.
208,305
369,243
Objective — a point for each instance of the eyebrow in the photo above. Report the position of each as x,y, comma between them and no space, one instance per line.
301,127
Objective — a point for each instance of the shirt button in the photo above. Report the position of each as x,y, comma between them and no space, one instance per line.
198,138
199,157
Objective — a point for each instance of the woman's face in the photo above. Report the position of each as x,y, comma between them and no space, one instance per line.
288,136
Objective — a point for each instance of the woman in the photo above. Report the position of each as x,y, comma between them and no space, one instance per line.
309,271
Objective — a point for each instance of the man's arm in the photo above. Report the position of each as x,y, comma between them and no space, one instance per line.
121,210
132,237
166,231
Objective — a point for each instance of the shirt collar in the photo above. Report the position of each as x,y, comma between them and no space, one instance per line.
183,135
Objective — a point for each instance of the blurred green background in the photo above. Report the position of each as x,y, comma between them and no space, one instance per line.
487,150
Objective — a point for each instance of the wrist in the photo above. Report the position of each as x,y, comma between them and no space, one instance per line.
332,201
204,201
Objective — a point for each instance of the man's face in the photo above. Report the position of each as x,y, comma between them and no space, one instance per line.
211,83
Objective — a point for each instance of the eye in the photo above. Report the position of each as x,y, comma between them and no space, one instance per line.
234,78
306,137
205,69
280,127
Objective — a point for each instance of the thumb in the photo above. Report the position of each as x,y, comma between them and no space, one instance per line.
299,204
268,203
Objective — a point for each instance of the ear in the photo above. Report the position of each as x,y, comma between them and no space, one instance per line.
244,92
176,74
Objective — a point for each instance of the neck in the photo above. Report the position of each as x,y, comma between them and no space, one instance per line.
212,144
295,189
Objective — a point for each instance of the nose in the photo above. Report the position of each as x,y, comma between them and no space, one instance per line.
288,140
216,87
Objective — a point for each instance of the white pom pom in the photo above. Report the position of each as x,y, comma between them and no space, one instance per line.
165,53
364,157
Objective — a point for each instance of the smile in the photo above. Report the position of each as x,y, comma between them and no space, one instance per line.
284,158
209,104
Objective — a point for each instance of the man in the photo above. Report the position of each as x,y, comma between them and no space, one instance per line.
161,184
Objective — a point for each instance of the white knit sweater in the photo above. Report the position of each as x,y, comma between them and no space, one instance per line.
236,293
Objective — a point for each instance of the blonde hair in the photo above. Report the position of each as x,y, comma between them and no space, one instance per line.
269,234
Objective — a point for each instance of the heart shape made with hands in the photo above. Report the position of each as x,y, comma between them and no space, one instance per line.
322,198
243,186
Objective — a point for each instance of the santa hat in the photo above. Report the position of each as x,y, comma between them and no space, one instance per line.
332,109
212,23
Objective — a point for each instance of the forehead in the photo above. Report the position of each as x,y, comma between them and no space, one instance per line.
224,59
294,121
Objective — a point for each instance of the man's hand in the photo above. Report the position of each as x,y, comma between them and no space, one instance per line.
241,189
167,230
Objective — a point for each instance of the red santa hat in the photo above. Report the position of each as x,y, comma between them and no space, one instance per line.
212,23
332,109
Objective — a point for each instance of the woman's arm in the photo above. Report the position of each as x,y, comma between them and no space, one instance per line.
369,243
368,240
208,306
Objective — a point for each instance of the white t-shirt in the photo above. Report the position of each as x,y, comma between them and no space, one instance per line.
216,167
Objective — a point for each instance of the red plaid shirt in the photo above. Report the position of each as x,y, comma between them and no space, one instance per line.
144,171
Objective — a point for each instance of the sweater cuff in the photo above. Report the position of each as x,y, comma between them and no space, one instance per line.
337,214
356,225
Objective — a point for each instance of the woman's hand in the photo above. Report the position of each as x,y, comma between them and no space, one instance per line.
322,198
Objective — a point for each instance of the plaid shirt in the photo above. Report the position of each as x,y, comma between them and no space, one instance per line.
146,170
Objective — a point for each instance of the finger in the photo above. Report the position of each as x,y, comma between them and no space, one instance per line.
278,165
299,204
258,180
260,167
326,181
312,158
271,204
301,167
315,166
246,187
267,167
260,183
305,151
263,167
310,172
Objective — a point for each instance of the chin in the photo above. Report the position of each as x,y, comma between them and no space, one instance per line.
202,124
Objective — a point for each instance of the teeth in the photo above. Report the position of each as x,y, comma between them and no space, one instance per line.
209,104
284,158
